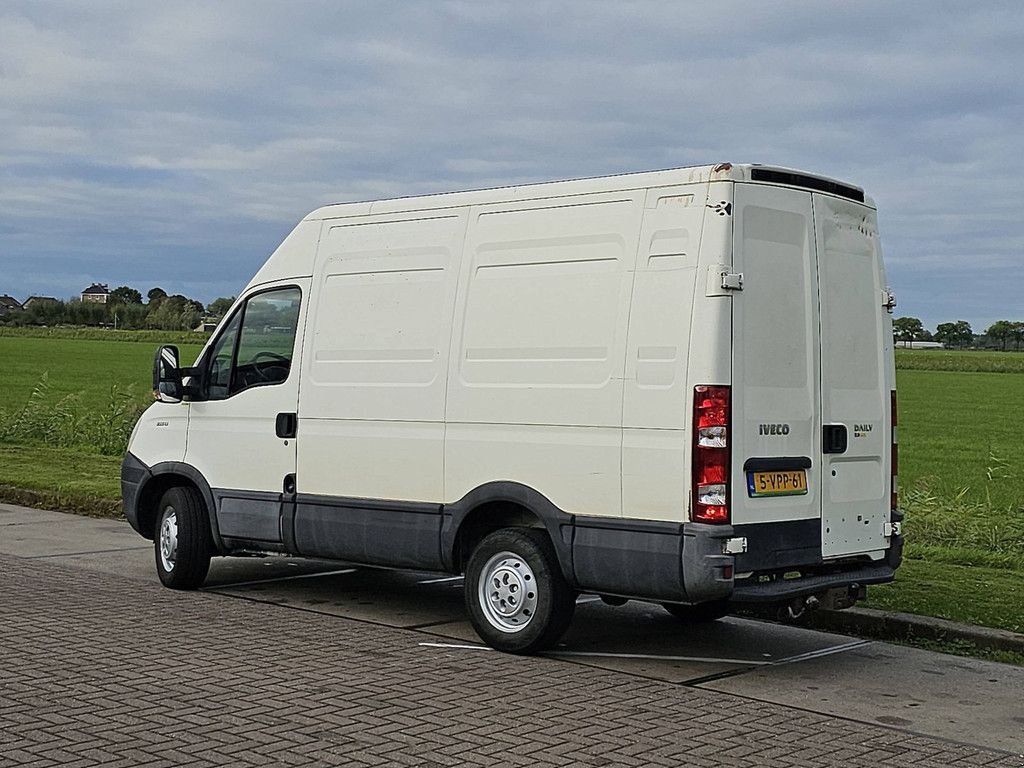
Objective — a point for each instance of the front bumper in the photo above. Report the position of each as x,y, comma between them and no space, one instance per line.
134,475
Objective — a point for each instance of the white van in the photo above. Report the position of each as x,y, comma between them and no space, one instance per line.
674,386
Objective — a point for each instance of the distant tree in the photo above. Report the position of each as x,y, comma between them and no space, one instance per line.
46,313
132,316
908,329
219,307
176,313
1000,331
958,334
87,313
156,295
1017,334
125,295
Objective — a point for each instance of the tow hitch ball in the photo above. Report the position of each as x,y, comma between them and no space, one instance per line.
834,599
798,607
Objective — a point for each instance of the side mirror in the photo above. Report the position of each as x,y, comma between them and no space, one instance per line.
167,386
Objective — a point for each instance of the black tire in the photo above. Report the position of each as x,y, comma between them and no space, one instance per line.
699,613
507,614
182,558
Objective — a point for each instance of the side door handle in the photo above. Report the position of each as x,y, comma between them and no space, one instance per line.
286,424
833,438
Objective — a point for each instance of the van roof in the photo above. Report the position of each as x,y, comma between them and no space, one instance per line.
689,175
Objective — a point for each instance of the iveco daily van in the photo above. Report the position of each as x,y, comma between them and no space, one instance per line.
674,386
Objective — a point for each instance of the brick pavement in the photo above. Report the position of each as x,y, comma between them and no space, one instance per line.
97,670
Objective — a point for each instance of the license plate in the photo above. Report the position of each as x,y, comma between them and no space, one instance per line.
791,482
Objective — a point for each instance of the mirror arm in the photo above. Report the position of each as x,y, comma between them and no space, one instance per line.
192,390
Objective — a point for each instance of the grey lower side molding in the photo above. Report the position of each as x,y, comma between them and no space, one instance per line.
781,589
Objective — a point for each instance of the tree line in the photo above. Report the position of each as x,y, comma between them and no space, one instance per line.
124,309
959,335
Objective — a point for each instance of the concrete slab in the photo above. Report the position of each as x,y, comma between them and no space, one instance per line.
391,598
644,639
970,701
37,533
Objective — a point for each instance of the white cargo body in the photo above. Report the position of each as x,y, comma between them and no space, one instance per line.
674,386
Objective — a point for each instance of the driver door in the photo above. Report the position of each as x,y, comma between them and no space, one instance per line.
241,433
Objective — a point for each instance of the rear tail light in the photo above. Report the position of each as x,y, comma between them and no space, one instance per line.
710,454
894,466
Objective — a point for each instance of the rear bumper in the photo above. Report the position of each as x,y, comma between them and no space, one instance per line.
819,577
781,590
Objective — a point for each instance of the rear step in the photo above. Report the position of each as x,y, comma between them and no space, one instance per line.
783,589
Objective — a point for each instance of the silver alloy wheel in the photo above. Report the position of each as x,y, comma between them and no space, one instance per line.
507,592
169,539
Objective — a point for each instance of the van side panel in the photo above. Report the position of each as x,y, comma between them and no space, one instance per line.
371,410
711,323
654,437
535,379
292,258
711,330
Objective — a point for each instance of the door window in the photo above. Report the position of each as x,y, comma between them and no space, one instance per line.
218,376
255,348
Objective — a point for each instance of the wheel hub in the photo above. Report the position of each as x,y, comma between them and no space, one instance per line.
169,540
508,592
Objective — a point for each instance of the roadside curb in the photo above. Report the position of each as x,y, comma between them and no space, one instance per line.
905,626
57,501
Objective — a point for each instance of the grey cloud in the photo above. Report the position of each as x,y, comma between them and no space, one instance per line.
203,131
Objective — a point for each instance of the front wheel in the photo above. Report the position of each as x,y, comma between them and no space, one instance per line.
182,540
517,599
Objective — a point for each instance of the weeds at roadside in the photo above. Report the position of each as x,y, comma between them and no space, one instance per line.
64,422
960,528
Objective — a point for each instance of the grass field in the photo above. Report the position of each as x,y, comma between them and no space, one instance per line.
965,361
961,466
88,367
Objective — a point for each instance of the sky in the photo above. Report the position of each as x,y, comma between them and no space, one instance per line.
176,144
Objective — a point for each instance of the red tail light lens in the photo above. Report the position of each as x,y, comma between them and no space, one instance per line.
894,466
710,502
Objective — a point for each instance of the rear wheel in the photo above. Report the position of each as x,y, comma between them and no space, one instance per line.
182,540
699,613
517,599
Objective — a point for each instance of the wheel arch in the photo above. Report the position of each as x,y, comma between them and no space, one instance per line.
503,504
170,474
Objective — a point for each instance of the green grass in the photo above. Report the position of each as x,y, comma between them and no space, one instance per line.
960,436
988,597
62,479
977,361
154,338
81,394
83,367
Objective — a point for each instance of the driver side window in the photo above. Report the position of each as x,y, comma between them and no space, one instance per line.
255,348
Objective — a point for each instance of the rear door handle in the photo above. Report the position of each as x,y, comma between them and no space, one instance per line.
286,424
833,438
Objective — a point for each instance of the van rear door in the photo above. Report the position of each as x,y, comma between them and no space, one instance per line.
809,480
775,499
854,391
